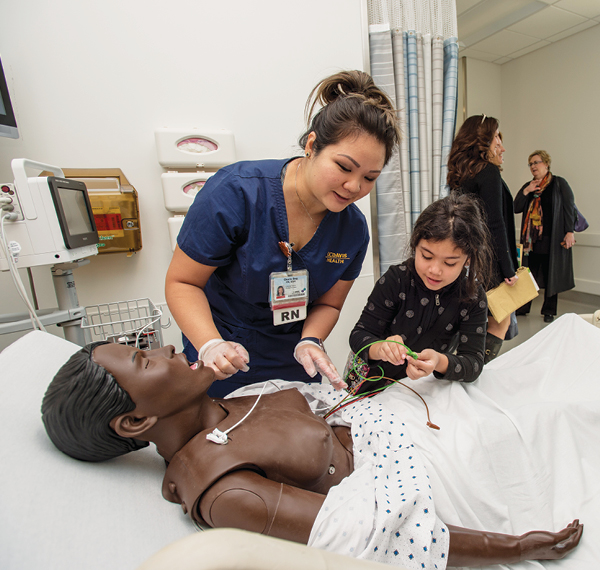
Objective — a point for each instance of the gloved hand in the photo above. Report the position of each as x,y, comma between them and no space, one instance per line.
224,357
314,359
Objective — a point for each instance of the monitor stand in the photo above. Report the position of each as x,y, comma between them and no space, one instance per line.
69,313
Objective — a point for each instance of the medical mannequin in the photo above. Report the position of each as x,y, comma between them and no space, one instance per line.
270,477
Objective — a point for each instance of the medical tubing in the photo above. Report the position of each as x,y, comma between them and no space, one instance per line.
360,397
410,353
140,331
14,272
221,436
357,398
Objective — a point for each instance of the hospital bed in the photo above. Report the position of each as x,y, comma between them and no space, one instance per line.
592,318
56,512
59,513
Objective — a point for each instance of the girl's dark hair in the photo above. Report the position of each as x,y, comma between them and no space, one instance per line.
351,104
460,218
78,406
470,149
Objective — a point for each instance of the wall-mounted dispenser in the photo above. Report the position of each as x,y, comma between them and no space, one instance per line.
184,150
175,224
194,148
180,188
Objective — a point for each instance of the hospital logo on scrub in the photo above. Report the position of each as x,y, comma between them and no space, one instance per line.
332,257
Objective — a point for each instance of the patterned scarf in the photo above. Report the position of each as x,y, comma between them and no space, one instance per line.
534,218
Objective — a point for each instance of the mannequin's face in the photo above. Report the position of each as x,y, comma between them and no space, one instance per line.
158,381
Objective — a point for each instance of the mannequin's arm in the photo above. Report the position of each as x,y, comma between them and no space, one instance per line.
246,500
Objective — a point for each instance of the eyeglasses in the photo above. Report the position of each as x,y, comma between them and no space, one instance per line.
535,162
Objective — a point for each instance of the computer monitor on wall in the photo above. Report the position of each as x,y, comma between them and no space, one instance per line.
8,123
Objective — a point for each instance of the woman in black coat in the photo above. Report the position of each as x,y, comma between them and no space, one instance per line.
473,167
548,207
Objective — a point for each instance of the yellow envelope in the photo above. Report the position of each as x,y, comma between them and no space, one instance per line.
504,299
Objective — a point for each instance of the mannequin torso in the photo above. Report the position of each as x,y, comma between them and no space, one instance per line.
282,441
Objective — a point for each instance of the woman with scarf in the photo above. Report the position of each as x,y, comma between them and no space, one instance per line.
548,207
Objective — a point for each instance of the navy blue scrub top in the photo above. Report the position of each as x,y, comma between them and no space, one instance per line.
236,223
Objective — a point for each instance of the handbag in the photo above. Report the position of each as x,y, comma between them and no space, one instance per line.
581,224
513,328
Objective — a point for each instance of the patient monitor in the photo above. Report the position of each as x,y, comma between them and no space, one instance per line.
54,222
46,220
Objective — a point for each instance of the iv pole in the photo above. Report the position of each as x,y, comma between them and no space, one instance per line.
69,313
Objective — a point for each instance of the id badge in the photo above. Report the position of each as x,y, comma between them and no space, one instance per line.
288,295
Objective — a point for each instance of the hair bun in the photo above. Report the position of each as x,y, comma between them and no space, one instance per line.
350,103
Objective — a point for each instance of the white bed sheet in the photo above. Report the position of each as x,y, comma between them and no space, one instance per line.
520,448
517,450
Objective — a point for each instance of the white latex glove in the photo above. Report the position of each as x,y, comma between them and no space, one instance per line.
224,357
314,359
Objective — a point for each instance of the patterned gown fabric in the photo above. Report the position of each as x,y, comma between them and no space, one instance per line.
384,510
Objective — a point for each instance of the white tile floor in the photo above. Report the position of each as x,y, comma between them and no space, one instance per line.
569,302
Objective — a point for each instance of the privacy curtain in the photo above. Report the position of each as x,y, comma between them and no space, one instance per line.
414,58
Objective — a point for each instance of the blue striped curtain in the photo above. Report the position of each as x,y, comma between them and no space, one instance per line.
420,74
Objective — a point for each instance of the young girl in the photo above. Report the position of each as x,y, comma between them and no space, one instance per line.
432,301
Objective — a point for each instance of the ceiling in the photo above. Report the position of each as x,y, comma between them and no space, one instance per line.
502,30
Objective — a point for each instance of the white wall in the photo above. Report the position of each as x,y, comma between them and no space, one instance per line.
550,102
91,81
484,89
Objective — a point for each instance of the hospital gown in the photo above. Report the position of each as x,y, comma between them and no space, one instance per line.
384,510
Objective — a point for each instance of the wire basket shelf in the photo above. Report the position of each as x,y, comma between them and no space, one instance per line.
136,322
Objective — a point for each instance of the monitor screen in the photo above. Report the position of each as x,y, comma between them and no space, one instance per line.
74,212
8,123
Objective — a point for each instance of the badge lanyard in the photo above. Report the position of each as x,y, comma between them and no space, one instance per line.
288,291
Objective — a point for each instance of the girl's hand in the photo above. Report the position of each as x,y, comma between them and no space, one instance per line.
391,352
428,361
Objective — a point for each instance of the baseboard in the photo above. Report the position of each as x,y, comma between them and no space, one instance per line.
578,296
587,286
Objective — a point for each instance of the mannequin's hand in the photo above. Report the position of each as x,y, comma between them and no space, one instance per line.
224,357
428,360
314,360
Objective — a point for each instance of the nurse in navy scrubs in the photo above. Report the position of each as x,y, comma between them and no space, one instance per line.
258,225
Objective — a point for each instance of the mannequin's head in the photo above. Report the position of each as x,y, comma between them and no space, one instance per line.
110,399
78,406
